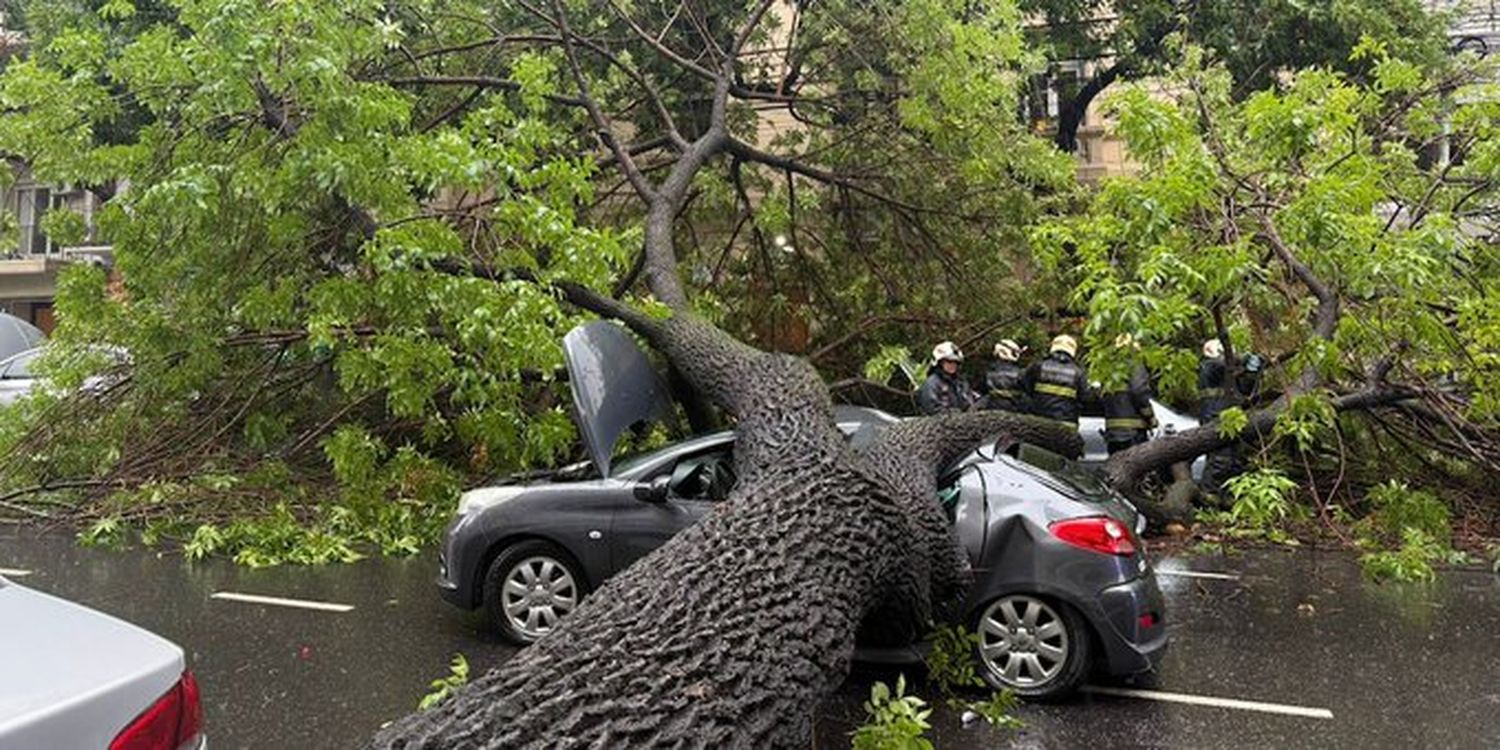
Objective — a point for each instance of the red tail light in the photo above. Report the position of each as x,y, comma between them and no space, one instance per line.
173,722
191,725
1099,534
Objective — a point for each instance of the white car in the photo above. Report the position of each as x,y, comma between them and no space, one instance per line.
1168,422
18,376
76,678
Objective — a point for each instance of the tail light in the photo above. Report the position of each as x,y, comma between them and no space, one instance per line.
1096,533
173,722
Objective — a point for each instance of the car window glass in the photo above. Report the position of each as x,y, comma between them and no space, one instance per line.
1070,472
704,476
20,366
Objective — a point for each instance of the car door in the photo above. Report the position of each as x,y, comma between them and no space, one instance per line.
696,482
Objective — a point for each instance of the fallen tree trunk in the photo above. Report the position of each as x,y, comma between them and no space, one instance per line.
731,633
1124,469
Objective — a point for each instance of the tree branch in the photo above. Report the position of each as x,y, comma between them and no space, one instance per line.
1124,469
488,82
577,294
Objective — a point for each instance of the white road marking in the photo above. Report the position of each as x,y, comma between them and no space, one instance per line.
14,572
1198,574
1204,700
280,602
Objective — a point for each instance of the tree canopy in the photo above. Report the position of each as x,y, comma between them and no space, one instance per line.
348,236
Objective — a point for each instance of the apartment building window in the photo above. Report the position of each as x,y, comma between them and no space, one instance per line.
1048,93
32,204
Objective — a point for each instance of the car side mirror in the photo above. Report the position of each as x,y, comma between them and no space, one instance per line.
654,491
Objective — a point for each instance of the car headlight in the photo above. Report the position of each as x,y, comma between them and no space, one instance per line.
477,500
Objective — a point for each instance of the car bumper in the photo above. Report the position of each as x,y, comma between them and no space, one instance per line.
1130,623
454,578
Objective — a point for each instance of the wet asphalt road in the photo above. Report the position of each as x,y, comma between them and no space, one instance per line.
1397,666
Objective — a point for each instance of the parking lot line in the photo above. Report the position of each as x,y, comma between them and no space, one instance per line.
1204,700
1198,574
14,572
280,602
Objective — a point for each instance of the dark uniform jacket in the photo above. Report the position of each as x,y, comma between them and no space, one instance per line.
1055,385
944,393
1214,395
1128,413
1004,388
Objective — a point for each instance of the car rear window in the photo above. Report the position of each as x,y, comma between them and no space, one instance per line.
1070,472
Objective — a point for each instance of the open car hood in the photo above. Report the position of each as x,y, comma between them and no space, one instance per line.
614,387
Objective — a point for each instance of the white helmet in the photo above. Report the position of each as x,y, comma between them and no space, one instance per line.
1065,343
1213,349
946,350
1008,350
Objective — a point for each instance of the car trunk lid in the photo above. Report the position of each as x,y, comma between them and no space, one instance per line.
71,672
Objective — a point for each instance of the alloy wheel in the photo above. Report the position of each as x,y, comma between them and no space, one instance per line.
538,592
1023,641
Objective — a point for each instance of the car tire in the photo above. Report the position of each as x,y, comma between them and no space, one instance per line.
1036,647
529,588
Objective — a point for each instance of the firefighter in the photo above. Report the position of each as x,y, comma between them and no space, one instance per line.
1003,389
1128,416
1215,394
945,389
1055,384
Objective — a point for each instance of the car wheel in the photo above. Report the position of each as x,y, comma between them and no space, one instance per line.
1037,648
530,587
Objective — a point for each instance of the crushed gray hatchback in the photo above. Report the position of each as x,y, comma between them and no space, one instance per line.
1061,586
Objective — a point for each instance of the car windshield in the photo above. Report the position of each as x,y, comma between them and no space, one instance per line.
19,366
629,463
